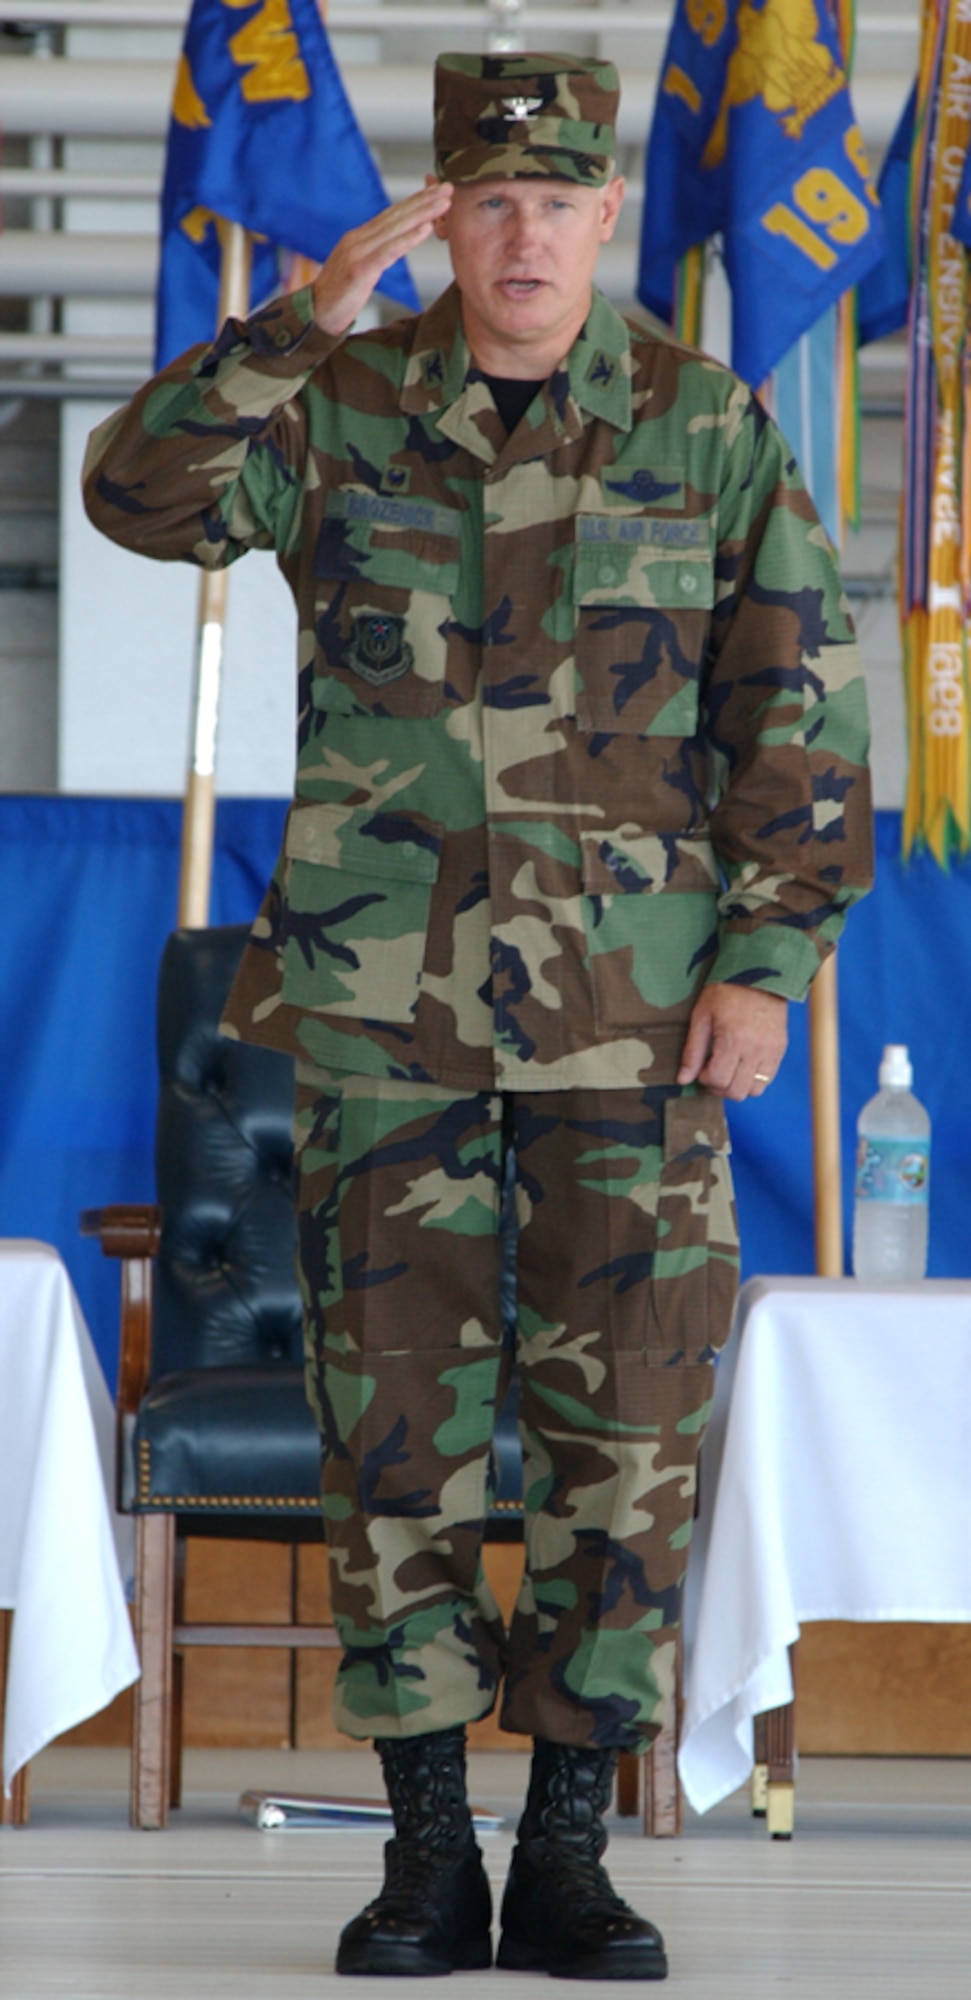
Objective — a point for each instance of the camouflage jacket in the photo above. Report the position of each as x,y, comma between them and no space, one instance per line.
581,714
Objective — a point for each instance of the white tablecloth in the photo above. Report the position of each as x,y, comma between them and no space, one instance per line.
63,1551
836,1483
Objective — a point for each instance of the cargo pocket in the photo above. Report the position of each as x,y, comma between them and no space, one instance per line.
357,898
387,571
650,921
643,590
694,1277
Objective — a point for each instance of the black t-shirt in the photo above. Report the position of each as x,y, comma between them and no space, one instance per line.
511,396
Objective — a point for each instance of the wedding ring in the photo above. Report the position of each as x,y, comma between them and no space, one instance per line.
760,1077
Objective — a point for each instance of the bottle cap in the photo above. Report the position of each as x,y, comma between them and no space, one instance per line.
896,1071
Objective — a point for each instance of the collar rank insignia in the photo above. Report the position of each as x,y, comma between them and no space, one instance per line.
601,370
522,108
376,649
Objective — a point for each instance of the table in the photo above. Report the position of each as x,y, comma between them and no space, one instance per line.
836,1483
63,1552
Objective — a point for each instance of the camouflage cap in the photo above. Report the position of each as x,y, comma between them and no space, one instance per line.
522,116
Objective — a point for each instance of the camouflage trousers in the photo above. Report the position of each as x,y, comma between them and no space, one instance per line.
626,1270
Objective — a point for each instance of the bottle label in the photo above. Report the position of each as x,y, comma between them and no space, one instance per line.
893,1170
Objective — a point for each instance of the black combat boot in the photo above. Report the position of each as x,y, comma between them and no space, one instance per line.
559,1912
435,1910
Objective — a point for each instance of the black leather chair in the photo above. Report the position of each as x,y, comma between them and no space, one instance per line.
215,1436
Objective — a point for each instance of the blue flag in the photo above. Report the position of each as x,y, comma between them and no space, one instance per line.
884,297
754,138
262,134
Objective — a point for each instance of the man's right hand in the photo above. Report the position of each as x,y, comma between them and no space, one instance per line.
344,284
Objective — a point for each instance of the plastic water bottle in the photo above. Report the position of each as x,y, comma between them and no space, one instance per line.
892,1178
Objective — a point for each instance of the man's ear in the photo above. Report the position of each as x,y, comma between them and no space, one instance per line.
613,196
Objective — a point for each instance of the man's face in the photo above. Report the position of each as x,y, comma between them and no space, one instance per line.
524,253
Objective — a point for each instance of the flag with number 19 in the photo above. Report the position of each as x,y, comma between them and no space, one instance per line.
754,138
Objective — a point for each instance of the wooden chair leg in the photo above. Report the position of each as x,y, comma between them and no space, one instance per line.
663,1814
780,1744
780,1803
760,1769
14,1811
628,1783
178,1683
175,1732
662,1787
152,1732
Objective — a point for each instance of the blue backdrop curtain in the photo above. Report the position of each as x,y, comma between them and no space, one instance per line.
89,891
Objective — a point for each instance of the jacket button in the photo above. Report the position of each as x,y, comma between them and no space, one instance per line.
689,583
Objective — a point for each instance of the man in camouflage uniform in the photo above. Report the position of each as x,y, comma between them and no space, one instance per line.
581,803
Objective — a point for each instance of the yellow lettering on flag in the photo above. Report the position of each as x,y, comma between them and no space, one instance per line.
196,222
187,106
677,84
708,18
856,153
267,48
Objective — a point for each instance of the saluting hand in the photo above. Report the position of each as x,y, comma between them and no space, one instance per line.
344,284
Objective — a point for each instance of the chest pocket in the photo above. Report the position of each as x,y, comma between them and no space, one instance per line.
643,591
386,571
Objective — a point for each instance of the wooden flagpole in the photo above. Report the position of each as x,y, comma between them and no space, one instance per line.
199,810
825,1086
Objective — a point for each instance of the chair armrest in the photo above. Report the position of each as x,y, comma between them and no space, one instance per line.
126,1229
132,1233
